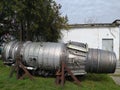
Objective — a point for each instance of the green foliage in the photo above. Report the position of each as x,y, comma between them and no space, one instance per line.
88,82
36,18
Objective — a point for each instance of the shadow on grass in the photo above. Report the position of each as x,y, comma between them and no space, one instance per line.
91,77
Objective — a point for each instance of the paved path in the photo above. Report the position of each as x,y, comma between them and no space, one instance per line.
116,79
116,76
117,71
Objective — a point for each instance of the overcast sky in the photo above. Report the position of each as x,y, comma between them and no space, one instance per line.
86,11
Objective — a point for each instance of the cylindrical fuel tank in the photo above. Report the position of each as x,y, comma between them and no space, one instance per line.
44,55
100,61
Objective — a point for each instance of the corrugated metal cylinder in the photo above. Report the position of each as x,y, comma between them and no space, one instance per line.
44,55
100,61
10,50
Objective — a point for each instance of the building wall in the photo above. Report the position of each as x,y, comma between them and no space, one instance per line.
93,36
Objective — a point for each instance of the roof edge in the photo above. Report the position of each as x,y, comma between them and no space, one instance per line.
113,24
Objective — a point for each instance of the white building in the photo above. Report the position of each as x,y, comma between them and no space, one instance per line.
102,36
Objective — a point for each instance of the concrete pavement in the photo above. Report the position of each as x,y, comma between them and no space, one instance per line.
116,76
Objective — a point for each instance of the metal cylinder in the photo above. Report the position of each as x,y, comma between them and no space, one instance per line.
100,61
44,55
48,56
9,50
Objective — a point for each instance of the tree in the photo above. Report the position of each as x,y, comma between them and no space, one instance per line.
37,19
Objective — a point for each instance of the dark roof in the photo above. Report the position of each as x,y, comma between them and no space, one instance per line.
114,24
117,21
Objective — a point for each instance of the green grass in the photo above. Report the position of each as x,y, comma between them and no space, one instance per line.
88,82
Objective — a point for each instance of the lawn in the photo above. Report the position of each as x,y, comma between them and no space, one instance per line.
88,82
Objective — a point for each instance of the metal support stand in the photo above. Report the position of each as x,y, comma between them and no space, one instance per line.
60,75
20,70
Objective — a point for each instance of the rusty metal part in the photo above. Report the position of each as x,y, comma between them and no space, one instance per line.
18,67
60,75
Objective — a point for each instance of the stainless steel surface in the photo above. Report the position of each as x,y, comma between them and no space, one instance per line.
9,50
44,55
47,56
100,61
76,57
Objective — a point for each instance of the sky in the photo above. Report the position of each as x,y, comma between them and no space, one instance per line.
90,11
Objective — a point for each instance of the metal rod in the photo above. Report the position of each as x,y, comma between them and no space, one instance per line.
63,74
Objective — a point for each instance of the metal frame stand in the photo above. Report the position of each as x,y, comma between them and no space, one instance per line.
21,70
60,75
